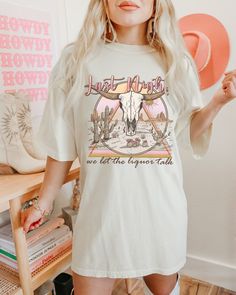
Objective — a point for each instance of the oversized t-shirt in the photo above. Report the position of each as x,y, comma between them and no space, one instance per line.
132,219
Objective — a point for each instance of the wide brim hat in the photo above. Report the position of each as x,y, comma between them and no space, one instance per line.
208,42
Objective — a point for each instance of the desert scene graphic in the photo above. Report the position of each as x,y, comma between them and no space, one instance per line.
130,120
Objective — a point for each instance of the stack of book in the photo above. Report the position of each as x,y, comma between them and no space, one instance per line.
44,243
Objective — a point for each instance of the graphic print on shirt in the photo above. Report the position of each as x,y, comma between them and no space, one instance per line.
130,118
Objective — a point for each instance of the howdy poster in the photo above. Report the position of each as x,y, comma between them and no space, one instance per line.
26,53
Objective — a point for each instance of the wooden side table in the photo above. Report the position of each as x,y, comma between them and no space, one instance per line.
14,190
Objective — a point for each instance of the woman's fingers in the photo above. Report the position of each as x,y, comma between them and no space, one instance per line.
230,81
230,74
27,223
233,72
226,84
229,78
36,224
32,218
229,89
41,220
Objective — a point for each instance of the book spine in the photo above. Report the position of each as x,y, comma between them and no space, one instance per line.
32,236
7,261
40,244
6,243
40,262
48,239
42,252
54,223
50,255
7,254
6,232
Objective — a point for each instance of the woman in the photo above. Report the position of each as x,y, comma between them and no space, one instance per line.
121,98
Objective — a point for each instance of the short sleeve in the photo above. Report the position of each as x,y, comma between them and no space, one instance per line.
200,146
55,133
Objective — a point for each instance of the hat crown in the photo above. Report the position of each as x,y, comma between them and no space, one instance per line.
199,45
208,43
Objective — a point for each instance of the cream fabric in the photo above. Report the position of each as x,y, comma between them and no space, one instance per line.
133,212
199,147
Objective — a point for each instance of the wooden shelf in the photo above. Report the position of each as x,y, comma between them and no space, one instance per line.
9,280
52,269
14,190
10,283
15,185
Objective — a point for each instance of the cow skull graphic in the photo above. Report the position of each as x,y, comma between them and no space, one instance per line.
131,103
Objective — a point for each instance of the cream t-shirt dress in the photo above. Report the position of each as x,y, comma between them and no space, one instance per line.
126,133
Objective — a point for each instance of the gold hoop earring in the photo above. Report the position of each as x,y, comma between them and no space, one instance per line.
109,27
108,35
152,34
151,30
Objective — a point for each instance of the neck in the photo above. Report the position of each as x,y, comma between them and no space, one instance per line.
133,35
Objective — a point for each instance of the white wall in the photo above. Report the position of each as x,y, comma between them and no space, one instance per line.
210,184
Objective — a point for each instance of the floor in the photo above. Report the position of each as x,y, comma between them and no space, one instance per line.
188,286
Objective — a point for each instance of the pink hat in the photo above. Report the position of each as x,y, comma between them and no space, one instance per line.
208,42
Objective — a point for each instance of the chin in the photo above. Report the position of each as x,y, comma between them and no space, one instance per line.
128,21
128,24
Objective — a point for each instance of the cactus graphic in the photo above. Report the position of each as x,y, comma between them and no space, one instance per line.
97,133
106,126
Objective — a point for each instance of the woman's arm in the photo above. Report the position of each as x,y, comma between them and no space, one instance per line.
202,119
54,177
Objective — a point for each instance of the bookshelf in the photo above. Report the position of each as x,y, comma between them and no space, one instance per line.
14,190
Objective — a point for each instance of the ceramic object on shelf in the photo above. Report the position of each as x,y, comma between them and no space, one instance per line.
12,150
27,134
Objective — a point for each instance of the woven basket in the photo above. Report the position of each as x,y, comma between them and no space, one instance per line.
9,281
9,278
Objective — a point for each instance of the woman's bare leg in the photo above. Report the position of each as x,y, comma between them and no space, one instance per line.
161,284
84,285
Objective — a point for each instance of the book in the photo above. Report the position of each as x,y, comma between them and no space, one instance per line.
44,244
39,242
53,245
6,237
48,239
55,252
51,255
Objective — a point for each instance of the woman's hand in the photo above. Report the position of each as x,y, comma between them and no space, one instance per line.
202,120
228,90
32,218
54,178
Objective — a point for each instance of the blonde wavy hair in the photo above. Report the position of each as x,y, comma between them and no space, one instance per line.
163,34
